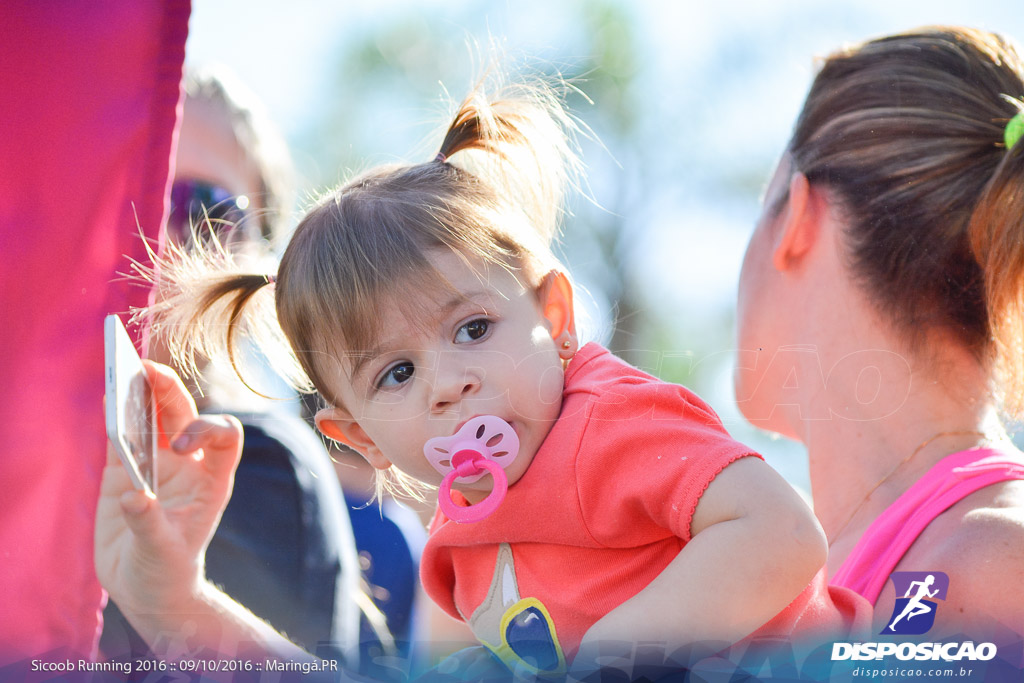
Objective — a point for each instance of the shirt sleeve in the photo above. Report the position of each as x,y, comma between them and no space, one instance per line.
646,456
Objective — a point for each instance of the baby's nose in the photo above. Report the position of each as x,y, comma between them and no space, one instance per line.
452,387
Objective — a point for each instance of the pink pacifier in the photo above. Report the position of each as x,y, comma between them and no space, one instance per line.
484,444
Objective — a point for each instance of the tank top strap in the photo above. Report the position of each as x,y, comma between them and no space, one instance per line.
879,550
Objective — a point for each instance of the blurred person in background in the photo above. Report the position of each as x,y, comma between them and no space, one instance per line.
389,538
284,546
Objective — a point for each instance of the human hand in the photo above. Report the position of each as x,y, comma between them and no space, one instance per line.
150,553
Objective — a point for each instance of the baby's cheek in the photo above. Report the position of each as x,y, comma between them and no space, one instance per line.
551,386
543,398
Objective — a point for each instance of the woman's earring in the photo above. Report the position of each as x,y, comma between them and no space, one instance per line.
566,344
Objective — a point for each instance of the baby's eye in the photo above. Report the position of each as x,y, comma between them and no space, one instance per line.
397,374
472,331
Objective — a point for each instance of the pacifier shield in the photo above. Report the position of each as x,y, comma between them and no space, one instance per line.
490,436
484,444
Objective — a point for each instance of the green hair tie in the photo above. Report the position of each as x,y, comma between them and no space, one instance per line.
1014,130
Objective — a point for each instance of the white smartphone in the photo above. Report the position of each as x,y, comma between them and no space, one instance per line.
131,409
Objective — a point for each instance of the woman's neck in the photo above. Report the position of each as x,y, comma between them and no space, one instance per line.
860,465
855,479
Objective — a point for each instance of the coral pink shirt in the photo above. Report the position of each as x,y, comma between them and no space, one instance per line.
603,508
88,100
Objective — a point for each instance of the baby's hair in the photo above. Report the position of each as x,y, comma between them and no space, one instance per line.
493,195
907,132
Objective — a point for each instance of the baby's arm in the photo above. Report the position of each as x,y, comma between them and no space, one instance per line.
755,546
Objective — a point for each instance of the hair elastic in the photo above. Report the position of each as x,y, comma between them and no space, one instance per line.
271,279
441,157
1014,129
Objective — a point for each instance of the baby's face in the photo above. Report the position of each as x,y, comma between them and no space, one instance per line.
483,348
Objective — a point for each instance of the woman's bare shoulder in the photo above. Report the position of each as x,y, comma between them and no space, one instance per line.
988,522
979,543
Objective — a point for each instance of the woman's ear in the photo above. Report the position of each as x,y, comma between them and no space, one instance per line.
799,223
338,424
555,296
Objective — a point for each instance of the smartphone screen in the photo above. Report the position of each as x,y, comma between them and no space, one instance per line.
131,412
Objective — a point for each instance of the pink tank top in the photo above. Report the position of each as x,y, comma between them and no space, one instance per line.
952,479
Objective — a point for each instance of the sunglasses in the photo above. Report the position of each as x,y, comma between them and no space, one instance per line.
528,640
200,209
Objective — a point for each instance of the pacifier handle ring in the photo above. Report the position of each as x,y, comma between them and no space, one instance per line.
477,512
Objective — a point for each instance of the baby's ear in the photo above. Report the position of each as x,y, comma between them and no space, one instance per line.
338,424
555,296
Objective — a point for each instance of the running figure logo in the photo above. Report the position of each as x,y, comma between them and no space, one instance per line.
914,613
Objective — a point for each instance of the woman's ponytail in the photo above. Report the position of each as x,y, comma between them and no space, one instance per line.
907,133
996,233
206,303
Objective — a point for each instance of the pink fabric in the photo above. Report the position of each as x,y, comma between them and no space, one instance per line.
88,98
953,478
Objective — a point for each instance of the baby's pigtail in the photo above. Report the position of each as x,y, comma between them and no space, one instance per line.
996,232
520,140
207,303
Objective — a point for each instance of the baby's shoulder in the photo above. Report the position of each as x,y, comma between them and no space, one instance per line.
611,388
